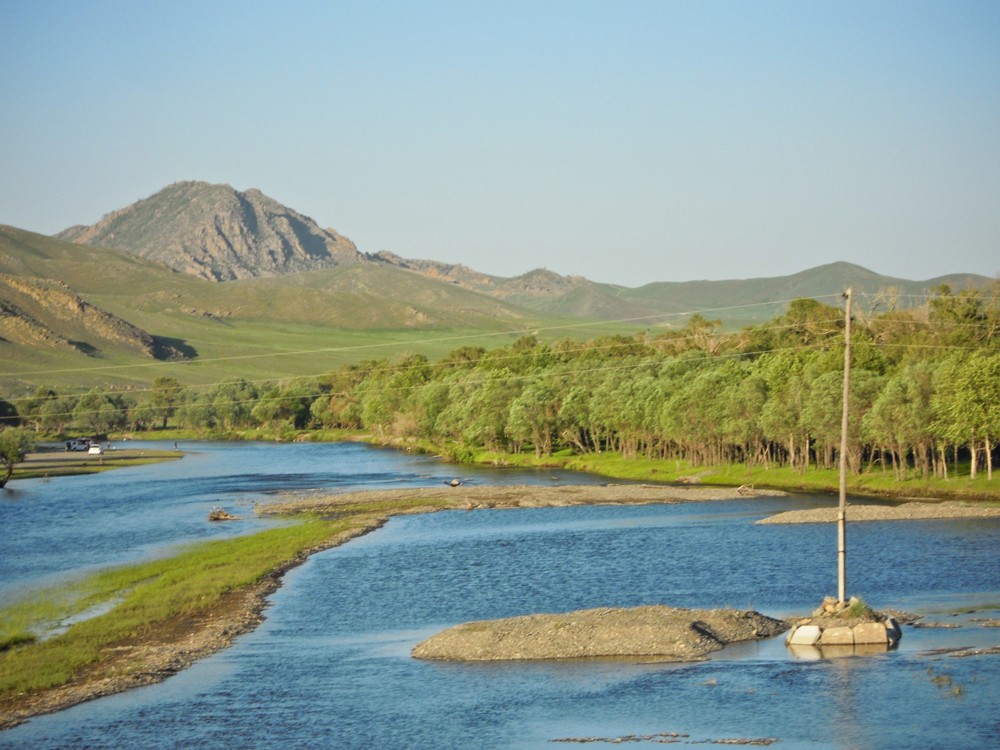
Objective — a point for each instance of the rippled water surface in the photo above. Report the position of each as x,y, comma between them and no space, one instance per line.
330,667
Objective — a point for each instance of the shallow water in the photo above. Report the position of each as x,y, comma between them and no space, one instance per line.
131,514
330,667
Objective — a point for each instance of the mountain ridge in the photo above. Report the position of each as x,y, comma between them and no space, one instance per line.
221,234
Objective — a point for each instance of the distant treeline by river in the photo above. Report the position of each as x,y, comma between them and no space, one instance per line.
925,394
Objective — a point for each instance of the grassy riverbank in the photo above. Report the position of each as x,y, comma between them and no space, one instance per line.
99,630
133,625
874,483
140,595
57,463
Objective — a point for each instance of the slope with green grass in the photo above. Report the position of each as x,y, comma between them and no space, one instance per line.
296,324
764,298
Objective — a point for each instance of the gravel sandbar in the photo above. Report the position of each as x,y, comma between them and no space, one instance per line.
904,512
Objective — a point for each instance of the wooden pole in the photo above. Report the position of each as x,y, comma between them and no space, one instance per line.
842,510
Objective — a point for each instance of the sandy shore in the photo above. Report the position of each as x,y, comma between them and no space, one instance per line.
904,512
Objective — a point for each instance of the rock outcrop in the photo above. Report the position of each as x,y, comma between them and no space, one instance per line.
35,309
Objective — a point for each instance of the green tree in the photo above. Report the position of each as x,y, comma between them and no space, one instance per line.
8,414
30,408
964,319
167,395
822,413
197,413
144,415
479,407
15,444
100,412
967,404
534,416
56,414
284,406
807,322
576,420
780,418
743,399
901,418
339,402
232,401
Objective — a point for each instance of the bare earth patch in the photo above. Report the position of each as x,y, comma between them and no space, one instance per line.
653,633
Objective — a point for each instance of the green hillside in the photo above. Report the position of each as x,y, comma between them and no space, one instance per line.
756,300
76,315
265,328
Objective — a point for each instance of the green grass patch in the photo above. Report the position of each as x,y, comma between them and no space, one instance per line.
53,635
142,596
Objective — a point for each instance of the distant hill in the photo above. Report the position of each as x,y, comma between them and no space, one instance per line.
356,296
218,233
298,299
769,297
453,273
738,301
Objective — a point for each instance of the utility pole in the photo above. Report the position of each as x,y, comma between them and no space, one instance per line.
842,510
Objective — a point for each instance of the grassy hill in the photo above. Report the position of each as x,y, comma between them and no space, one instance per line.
749,301
737,302
76,315
262,328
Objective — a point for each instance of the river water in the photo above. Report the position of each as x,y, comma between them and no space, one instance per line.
330,666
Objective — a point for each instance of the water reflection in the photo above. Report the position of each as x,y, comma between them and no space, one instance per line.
811,653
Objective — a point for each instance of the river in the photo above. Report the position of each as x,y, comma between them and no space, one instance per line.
330,666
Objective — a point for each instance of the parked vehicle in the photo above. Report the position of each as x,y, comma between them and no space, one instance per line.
78,444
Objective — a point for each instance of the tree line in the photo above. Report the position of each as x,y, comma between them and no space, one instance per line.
925,394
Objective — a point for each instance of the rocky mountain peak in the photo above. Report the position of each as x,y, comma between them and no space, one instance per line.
218,233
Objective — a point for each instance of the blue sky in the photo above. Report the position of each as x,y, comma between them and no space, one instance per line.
627,142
